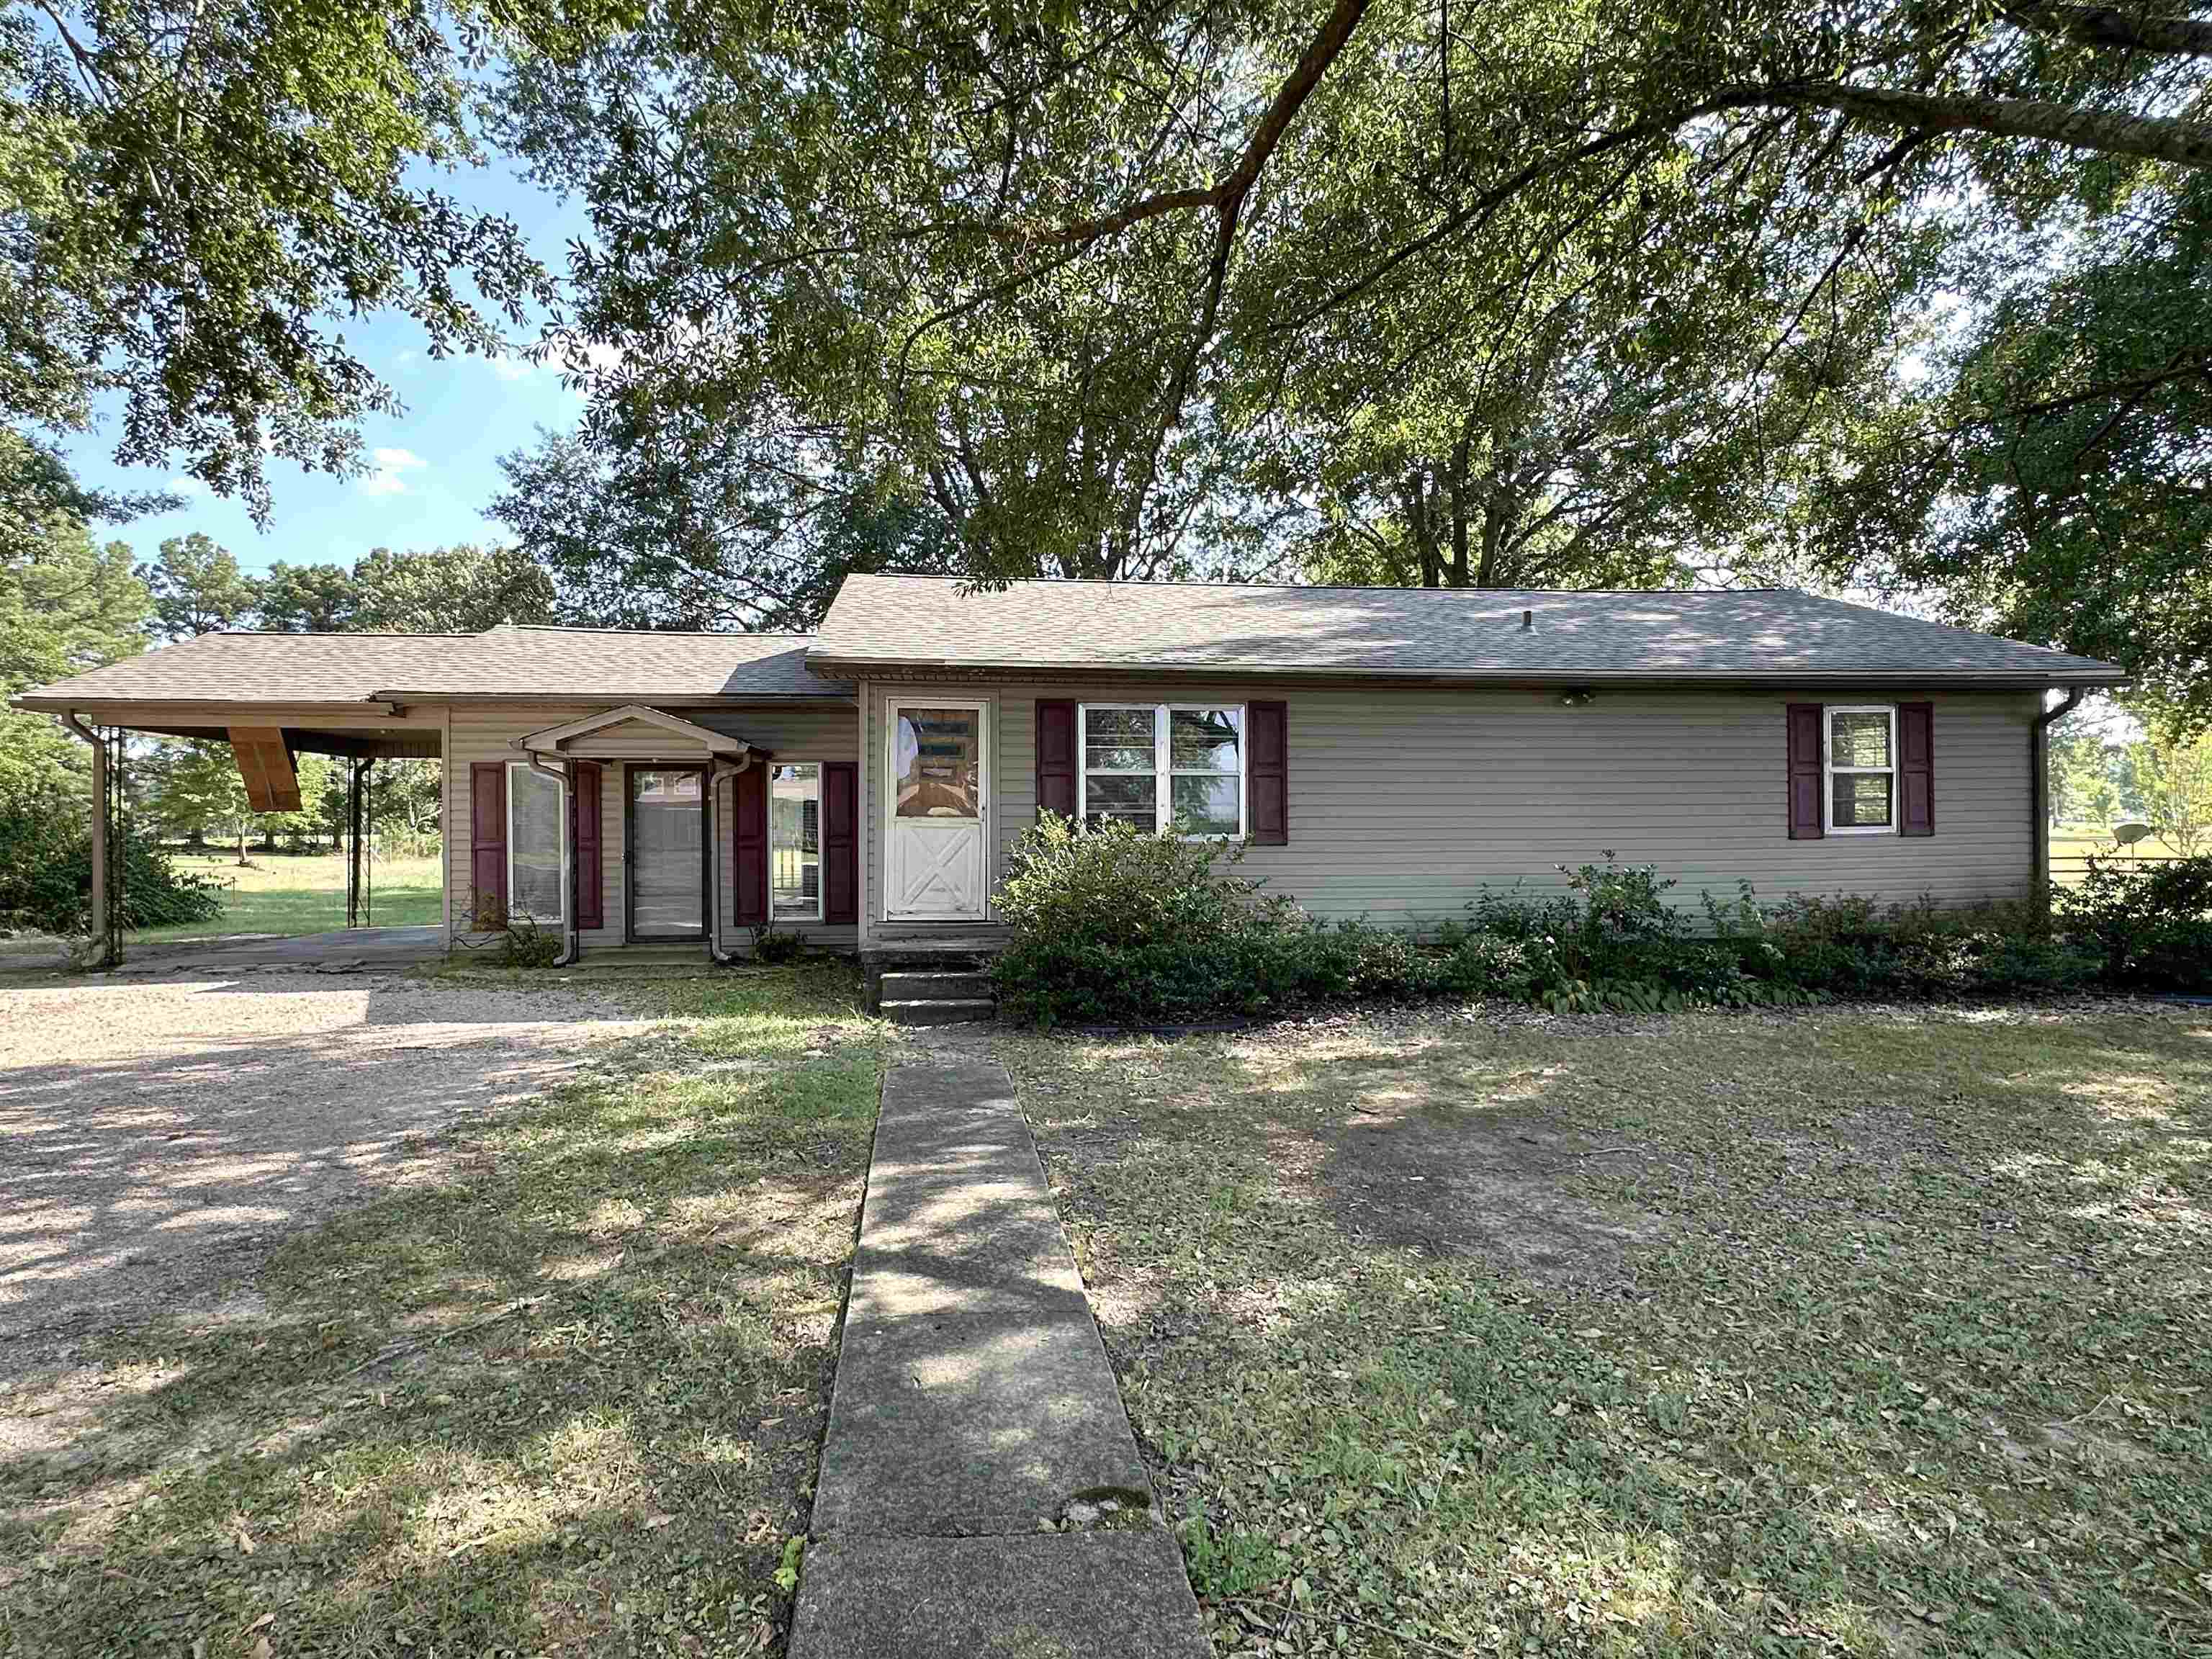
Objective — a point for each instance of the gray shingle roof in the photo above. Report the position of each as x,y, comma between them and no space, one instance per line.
1771,634
551,664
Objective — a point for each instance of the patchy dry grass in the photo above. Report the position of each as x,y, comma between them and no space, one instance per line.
567,1402
1858,1332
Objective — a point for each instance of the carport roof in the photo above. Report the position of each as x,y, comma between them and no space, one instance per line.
544,664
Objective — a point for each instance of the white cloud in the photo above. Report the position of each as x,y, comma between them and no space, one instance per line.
513,369
386,480
182,485
601,357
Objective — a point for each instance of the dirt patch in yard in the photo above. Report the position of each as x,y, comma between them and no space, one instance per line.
1485,1181
161,1137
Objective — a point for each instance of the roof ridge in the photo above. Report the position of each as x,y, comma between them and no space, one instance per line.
1315,587
319,634
650,633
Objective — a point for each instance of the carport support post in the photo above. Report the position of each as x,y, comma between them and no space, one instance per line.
103,953
353,859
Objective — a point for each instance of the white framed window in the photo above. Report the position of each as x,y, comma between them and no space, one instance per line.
537,846
794,841
1858,746
1165,765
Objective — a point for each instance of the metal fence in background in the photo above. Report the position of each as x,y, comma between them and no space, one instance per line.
2068,863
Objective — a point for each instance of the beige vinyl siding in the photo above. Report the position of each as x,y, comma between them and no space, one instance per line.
1404,804
485,731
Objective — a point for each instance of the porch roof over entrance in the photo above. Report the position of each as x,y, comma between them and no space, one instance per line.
685,734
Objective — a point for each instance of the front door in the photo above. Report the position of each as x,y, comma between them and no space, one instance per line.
667,853
935,856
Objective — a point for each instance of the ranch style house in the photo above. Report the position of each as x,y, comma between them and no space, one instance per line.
1385,752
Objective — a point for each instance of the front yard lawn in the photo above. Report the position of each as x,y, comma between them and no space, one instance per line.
1857,1331
567,1402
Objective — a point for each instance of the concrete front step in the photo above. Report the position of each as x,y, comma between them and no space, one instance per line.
952,1011
936,986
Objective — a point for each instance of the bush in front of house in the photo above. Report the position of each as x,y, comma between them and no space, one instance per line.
771,944
1117,926
1856,947
2148,923
1113,925
46,872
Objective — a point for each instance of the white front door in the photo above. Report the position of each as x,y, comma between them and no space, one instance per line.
935,847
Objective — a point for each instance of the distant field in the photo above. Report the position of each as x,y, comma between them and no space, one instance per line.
304,893
2073,843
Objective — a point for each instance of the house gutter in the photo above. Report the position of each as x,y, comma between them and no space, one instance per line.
716,953
572,939
2039,792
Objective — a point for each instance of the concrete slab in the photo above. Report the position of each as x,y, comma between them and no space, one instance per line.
956,1426
340,949
973,1403
1061,1595
973,1394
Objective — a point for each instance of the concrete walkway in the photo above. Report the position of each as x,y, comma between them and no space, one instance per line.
974,1414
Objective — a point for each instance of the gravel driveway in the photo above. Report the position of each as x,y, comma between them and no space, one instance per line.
157,1138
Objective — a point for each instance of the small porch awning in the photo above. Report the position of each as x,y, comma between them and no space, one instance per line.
668,735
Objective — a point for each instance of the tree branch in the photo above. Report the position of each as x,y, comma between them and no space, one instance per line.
1225,195
2111,133
2125,26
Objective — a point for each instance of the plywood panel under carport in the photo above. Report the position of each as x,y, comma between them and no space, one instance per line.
271,785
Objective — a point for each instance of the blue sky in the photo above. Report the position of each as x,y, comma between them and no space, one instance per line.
435,463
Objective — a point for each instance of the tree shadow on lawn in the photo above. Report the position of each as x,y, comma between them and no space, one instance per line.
1887,1333
567,1399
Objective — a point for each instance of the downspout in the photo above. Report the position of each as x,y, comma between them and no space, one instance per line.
2038,770
104,953
571,942
716,953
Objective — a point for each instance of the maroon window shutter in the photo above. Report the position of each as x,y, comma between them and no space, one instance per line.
1055,757
840,841
1806,816
591,867
488,844
1916,769
750,835
1268,773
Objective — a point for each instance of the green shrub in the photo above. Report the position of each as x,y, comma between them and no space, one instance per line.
1114,926
1111,925
524,944
1856,947
46,872
2148,924
771,946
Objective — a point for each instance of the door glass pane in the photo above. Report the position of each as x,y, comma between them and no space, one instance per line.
795,842
534,846
1859,739
1861,800
667,880
940,754
1204,805
1204,739
1118,740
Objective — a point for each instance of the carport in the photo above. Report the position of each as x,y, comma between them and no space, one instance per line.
270,697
